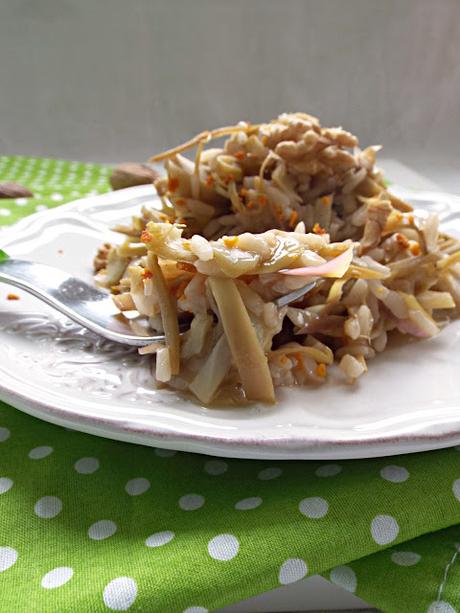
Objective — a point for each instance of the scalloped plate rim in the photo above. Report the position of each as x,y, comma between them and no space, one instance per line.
262,447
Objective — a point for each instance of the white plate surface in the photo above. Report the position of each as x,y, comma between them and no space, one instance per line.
49,367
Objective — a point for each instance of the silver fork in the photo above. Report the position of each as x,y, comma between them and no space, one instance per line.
88,306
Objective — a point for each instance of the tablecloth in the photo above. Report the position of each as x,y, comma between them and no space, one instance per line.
90,524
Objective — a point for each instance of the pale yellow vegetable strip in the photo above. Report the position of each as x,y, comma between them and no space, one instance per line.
449,261
203,137
168,312
436,300
212,372
247,352
360,272
335,293
419,316
132,250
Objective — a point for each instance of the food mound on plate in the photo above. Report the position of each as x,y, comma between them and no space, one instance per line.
280,205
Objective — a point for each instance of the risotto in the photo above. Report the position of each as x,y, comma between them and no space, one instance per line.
277,206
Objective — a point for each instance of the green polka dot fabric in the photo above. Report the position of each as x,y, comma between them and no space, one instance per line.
52,182
90,524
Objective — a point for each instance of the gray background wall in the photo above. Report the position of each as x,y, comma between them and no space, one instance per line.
108,80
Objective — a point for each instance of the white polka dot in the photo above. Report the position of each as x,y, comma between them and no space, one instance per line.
120,593
191,502
5,484
292,570
405,558
5,213
8,557
384,529
102,529
395,474
57,197
314,508
38,453
57,577
248,503
328,470
21,201
456,489
196,610
165,453
136,487
344,577
41,207
48,507
223,547
159,538
441,606
4,434
269,473
86,466
216,467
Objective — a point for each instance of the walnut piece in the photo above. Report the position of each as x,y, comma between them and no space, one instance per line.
14,190
129,174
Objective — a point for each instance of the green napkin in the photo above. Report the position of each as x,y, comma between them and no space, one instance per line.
52,182
90,524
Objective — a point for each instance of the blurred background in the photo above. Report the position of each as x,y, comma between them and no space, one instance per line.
107,81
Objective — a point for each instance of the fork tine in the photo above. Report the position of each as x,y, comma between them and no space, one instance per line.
294,295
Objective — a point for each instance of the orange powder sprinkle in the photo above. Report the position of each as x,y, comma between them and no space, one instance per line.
173,184
251,205
180,202
402,240
146,237
317,229
262,198
243,192
209,181
293,218
414,248
283,360
12,297
326,200
147,274
185,266
240,155
299,363
230,241
321,370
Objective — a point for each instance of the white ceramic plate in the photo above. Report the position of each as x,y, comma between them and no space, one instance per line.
49,367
